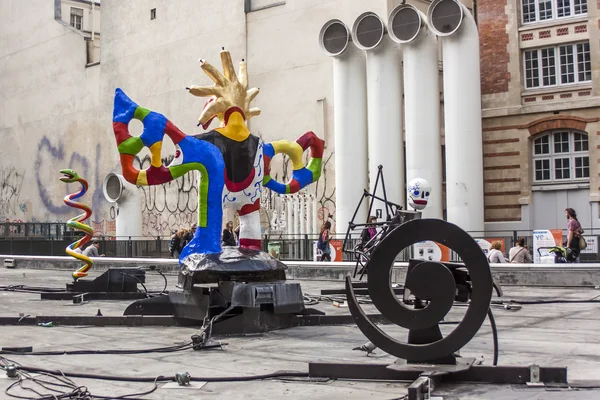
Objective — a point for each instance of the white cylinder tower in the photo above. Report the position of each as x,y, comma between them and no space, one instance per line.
350,122
462,112
407,25
129,208
384,105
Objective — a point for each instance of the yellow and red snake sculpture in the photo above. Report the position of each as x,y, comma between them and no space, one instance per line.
70,176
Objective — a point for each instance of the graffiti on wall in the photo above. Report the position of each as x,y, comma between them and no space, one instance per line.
170,206
164,208
52,157
11,183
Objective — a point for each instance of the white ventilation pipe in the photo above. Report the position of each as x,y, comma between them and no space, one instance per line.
128,204
407,25
384,105
462,112
350,122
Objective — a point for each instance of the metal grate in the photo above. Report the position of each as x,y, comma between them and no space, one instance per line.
335,38
113,187
405,24
369,31
446,16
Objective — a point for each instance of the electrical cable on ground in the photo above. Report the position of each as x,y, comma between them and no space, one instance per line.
168,349
164,277
162,378
494,335
29,289
548,301
139,281
62,382
311,300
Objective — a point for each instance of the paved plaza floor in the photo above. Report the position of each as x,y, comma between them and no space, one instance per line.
555,335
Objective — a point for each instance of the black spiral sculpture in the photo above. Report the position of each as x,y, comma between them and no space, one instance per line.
431,281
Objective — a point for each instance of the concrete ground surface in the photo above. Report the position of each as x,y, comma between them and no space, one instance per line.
554,335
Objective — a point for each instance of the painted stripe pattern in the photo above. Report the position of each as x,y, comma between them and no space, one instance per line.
77,223
302,175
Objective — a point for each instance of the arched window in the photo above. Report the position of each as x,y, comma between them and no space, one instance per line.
561,156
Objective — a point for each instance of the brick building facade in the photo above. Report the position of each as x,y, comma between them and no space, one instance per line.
540,69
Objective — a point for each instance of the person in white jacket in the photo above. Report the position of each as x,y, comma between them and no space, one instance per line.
495,256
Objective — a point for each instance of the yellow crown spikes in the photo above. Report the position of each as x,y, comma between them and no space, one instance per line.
229,90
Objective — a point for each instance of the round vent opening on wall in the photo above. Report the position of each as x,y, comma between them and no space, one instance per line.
334,37
445,17
113,188
368,31
404,24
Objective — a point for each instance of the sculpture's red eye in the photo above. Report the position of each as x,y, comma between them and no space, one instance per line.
177,154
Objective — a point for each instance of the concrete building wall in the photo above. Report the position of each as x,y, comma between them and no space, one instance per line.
515,115
49,114
60,112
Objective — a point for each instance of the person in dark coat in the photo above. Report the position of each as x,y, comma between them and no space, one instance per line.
229,235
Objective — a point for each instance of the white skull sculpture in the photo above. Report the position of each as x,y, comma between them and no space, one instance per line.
418,193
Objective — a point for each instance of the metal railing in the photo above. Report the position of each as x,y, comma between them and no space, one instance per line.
51,239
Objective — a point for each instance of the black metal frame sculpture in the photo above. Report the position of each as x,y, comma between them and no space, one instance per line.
362,253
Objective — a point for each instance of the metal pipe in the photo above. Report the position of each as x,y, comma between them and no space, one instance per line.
315,220
309,224
408,26
350,121
92,21
384,105
302,214
128,201
295,204
289,220
462,112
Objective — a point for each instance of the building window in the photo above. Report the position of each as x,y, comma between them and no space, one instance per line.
76,18
257,5
153,13
545,10
561,156
541,67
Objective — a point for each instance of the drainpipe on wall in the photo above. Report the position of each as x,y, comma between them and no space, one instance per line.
296,207
302,215
92,20
315,217
289,218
